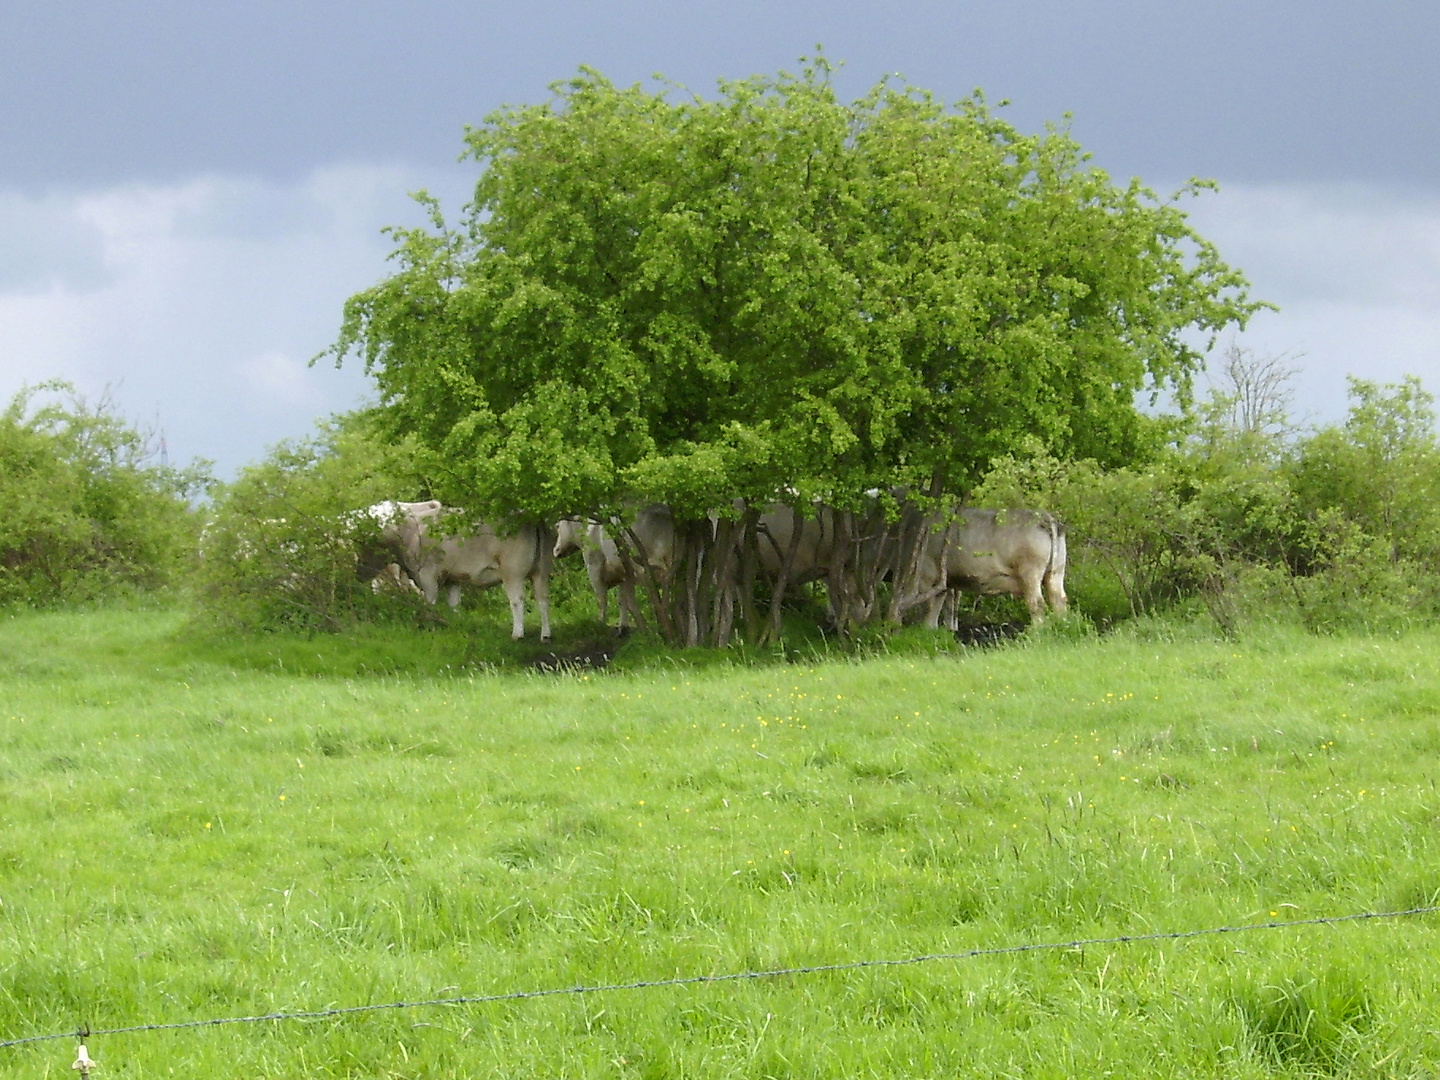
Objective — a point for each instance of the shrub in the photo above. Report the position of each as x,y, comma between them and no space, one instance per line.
84,509
1380,469
1134,538
1357,583
280,547
1339,529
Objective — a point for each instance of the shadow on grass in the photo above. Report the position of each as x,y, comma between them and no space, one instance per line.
176,640
470,643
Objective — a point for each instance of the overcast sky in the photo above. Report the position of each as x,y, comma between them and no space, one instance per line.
188,192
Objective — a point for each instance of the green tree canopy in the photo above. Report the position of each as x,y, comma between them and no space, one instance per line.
695,300
771,294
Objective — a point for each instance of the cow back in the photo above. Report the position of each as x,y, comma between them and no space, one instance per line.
995,551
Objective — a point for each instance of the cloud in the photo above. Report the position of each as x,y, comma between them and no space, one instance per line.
1355,270
200,302
44,242
275,376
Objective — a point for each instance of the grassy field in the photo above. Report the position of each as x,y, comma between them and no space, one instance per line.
194,829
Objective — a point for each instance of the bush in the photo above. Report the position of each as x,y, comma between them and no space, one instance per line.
1339,529
1380,470
1359,584
1136,543
84,510
280,548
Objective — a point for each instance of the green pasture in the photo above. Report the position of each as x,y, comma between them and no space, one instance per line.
191,828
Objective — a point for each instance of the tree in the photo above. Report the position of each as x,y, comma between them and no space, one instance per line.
1256,391
774,296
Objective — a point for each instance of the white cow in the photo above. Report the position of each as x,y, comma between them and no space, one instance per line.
375,556
392,579
1013,552
483,558
816,551
654,528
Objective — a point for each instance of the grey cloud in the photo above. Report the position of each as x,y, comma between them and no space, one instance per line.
105,91
48,243
1355,271
219,292
252,210
1340,242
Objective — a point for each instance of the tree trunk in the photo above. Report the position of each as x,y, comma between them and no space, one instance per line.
750,541
916,536
841,580
782,580
729,536
634,558
696,604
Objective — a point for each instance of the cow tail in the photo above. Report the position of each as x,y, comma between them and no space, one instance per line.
1057,545
540,563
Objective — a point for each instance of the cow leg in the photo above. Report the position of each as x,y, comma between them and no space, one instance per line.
943,611
515,593
932,579
951,611
595,569
628,605
1030,593
540,582
452,596
602,600
1055,570
429,586
1055,590
932,611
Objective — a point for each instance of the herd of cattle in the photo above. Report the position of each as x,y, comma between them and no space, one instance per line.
1015,552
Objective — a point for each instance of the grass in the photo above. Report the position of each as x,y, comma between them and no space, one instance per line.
1307,1020
192,828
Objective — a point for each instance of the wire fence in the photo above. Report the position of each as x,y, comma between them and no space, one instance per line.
734,976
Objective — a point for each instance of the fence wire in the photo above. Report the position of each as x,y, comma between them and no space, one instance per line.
733,976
